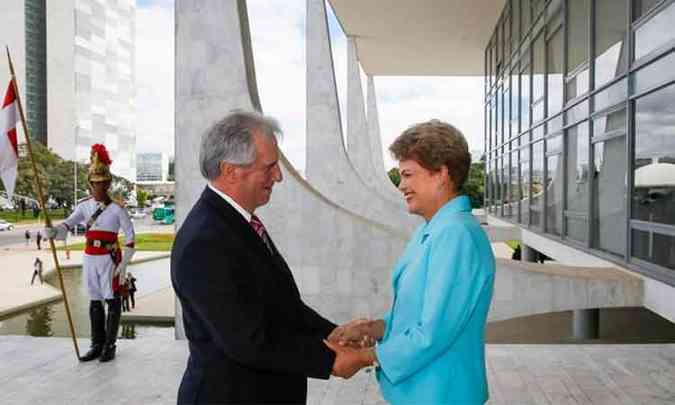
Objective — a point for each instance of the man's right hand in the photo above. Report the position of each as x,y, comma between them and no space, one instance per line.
348,361
58,232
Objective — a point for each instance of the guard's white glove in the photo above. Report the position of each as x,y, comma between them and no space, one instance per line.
59,232
127,254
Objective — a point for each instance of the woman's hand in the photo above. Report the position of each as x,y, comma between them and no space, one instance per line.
358,333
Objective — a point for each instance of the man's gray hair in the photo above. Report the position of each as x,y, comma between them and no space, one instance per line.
230,140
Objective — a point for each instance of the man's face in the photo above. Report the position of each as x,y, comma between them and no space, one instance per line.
256,180
99,189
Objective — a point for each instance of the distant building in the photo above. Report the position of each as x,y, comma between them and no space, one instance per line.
75,62
152,167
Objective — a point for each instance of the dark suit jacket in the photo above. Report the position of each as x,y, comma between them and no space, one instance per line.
252,339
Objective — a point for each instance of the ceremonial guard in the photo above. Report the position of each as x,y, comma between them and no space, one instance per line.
104,262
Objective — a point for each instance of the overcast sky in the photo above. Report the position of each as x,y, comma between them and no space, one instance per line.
278,36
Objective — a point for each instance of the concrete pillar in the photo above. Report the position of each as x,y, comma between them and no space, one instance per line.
586,324
386,186
527,253
359,145
328,167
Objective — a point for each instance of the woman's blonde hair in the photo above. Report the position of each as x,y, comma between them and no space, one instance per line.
434,144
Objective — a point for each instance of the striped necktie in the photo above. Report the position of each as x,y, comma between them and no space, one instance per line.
259,228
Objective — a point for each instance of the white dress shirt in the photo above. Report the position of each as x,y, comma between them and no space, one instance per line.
230,200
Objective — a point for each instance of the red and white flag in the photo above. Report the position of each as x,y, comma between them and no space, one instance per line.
9,149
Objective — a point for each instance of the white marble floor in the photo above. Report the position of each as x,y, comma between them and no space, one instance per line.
40,371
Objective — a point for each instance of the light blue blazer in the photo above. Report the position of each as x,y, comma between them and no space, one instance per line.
433,349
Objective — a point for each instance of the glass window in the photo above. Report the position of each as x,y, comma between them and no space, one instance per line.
525,13
609,123
577,179
577,113
507,112
515,102
642,7
525,184
525,98
655,32
515,23
654,247
578,84
555,124
498,117
538,68
537,6
610,194
577,44
654,159
538,111
514,187
614,94
610,33
538,132
537,184
507,37
554,184
555,72
655,73
576,227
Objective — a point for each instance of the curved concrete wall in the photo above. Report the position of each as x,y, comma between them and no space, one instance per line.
329,169
374,135
359,145
341,260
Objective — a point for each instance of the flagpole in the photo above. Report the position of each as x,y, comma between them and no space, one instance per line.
48,221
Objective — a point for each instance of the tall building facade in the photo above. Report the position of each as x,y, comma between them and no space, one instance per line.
75,64
152,167
36,68
580,127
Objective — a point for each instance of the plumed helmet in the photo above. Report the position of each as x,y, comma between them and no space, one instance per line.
99,168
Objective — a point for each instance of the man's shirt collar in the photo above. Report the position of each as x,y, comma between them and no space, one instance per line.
230,200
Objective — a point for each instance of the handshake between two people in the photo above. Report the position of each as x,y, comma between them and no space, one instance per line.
353,344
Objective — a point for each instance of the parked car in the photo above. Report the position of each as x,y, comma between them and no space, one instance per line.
6,226
138,214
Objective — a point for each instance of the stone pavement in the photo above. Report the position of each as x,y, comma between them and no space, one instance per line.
158,306
148,371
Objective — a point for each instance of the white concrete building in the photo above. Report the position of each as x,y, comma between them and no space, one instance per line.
75,62
152,167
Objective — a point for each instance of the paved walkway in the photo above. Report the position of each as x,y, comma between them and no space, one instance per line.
148,371
154,307
16,269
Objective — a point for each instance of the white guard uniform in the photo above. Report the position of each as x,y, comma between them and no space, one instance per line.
97,263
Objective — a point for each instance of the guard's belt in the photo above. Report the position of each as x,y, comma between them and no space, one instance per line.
100,242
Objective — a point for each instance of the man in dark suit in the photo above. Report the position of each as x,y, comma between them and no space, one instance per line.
252,339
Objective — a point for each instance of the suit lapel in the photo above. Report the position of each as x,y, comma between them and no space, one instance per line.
245,230
235,220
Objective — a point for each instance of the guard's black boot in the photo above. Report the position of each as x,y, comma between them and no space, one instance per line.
97,319
113,323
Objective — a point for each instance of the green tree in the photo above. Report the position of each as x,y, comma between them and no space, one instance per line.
394,176
57,177
141,198
474,186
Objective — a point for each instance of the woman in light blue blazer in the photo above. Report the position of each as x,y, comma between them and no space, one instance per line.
431,342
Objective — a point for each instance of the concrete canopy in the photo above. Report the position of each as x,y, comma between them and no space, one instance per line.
420,38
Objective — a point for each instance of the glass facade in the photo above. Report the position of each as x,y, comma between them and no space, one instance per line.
580,126
36,69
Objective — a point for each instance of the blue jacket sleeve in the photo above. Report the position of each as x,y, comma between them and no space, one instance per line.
452,290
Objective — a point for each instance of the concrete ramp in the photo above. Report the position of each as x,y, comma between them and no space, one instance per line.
523,289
